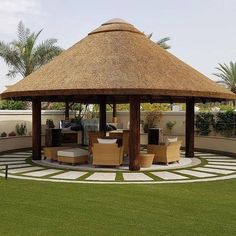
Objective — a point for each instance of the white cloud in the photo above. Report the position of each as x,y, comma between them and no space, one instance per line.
12,11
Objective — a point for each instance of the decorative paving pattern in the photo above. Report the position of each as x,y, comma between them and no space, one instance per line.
209,167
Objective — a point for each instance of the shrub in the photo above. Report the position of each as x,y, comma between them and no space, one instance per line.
204,120
226,123
12,105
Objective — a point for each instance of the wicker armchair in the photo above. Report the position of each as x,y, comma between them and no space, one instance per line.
124,135
165,153
93,138
107,154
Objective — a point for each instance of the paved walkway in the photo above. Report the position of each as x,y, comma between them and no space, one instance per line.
211,167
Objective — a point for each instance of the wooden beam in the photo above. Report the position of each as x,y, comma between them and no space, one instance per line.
102,114
134,137
36,129
67,111
189,128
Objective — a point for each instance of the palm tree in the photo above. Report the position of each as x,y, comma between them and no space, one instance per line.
227,74
23,56
162,42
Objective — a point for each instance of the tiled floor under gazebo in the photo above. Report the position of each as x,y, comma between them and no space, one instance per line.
204,167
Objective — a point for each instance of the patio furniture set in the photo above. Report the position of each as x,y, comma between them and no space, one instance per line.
110,151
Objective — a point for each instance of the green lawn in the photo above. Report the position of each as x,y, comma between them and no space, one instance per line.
41,208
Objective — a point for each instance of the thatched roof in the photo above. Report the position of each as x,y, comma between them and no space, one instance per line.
116,59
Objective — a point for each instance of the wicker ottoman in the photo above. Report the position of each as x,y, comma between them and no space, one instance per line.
73,156
50,153
146,160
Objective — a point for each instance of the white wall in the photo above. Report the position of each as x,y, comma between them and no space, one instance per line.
9,119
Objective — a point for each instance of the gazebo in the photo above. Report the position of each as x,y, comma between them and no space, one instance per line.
117,63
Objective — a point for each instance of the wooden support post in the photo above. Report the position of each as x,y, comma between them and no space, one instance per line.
36,129
67,111
134,137
114,113
102,114
189,128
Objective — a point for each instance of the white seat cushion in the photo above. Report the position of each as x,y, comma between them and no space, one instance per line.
74,152
171,140
106,141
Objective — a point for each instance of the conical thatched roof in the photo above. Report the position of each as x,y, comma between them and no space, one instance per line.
117,59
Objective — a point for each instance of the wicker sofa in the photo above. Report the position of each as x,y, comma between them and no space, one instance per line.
107,154
165,153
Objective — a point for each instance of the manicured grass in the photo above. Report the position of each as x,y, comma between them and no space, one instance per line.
41,208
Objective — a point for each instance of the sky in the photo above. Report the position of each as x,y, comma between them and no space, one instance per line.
202,32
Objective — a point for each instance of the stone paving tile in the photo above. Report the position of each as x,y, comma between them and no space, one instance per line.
42,173
221,167
224,160
217,171
25,169
69,175
14,156
195,173
102,176
14,166
222,163
214,157
12,159
136,177
166,175
206,154
11,162
22,153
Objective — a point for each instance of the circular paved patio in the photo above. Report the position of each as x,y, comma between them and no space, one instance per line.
204,167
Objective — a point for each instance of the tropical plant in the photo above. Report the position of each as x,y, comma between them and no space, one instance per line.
24,55
162,42
227,75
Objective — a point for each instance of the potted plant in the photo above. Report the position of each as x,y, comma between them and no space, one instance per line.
12,134
50,124
151,120
21,129
170,125
3,134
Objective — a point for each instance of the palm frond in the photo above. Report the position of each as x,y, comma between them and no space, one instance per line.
23,56
227,74
162,43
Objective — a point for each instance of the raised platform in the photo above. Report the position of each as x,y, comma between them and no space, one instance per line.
204,167
183,163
